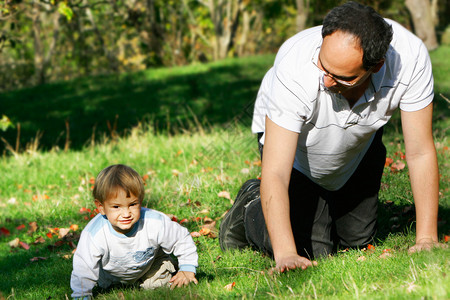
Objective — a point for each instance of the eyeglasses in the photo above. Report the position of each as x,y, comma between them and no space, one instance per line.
340,81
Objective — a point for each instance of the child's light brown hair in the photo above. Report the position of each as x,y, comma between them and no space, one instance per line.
110,179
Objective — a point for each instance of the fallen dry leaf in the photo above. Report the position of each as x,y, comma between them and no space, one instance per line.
14,243
207,219
257,163
204,231
245,171
224,194
36,258
24,245
63,232
179,152
447,238
361,258
230,286
54,230
398,166
210,225
175,172
74,227
32,227
385,255
203,211
195,234
388,162
39,240
411,287
20,227
4,231
49,235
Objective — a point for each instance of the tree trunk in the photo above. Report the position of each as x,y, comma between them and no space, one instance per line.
155,31
302,14
225,17
422,17
42,59
39,72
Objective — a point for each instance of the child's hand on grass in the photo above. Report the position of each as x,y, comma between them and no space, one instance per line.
182,278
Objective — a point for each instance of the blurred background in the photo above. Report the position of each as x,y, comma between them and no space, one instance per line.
46,40
73,72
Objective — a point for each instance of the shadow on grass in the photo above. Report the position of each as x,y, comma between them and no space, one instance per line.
108,105
394,218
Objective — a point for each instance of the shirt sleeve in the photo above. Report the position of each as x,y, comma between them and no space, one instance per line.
287,102
176,239
420,88
86,267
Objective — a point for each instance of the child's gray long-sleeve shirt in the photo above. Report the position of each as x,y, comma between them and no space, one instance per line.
105,256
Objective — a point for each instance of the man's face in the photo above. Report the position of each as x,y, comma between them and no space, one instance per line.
340,58
122,211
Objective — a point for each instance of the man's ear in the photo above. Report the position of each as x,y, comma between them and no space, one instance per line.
100,207
378,66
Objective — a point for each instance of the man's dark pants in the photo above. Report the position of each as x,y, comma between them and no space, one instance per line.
323,220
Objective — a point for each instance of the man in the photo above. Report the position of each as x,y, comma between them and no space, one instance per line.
319,116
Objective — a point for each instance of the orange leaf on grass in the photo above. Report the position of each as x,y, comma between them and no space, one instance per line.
54,230
230,286
388,162
85,210
370,247
195,234
4,231
447,238
24,245
74,227
49,235
204,231
20,227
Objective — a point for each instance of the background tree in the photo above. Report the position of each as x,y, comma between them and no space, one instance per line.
424,17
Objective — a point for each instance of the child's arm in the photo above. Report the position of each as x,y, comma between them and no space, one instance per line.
182,278
86,262
176,239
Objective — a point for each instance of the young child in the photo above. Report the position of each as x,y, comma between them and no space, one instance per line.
127,243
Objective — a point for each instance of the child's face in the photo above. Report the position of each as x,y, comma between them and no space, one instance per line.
122,211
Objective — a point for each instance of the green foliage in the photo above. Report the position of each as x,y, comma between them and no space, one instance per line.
65,10
80,38
5,123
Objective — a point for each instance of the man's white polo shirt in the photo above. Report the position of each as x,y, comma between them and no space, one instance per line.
333,138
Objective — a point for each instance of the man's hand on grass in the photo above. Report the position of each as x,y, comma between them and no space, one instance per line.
426,244
291,262
182,278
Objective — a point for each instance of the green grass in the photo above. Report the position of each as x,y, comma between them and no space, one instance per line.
217,156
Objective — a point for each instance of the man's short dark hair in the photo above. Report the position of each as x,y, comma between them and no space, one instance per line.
372,31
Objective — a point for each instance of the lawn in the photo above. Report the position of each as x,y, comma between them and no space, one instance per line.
186,131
